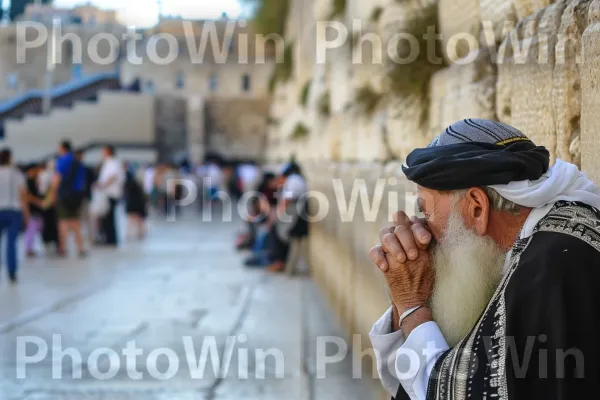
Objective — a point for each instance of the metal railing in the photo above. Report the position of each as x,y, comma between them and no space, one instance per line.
64,95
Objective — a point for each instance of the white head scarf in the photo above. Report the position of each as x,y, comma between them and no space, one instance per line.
563,181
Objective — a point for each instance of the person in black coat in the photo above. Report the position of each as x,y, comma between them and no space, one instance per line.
136,205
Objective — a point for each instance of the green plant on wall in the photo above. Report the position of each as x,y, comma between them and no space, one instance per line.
287,67
300,131
376,14
269,16
272,121
356,38
283,71
414,73
323,104
338,9
273,82
304,94
368,100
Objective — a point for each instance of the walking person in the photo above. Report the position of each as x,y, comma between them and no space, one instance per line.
68,190
87,219
110,181
35,201
13,209
50,216
136,205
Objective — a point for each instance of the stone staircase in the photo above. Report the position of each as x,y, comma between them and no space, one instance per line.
90,114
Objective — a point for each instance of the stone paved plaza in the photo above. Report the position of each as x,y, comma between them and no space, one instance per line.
182,289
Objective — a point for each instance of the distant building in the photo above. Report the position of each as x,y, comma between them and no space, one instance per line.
212,98
231,73
84,22
226,66
84,15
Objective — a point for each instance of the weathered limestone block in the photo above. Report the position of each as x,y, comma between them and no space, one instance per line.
526,76
349,236
340,65
463,91
302,10
333,217
567,81
346,175
525,8
316,146
361,9
407,125
438,91
321,9
339,257
367,73
334,137
395,18
325,265
332,242
504,87
348,139
284,102
458,19
318,88
361,138
590,89
369,140
305,49
369,297
500,16
315,255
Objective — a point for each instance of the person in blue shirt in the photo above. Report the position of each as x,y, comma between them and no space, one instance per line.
69,192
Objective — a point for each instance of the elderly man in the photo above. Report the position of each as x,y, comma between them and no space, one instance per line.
496,292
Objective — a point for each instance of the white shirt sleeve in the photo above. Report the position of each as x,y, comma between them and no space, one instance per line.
407,362
294,187
112,168
21,181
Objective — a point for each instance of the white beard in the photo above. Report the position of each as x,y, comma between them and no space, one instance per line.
468,270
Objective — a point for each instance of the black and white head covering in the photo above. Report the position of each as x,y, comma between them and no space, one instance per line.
476,152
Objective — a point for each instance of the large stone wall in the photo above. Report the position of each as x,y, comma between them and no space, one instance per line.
236,128
590,99
529,80
537,69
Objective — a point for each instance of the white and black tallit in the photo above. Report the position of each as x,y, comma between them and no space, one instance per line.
538,336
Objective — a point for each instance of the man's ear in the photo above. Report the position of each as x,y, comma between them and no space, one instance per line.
477,210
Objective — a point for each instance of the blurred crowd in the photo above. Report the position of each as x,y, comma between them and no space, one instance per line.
63,199
277,218
64,205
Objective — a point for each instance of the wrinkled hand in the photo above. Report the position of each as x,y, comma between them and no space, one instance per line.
404,258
